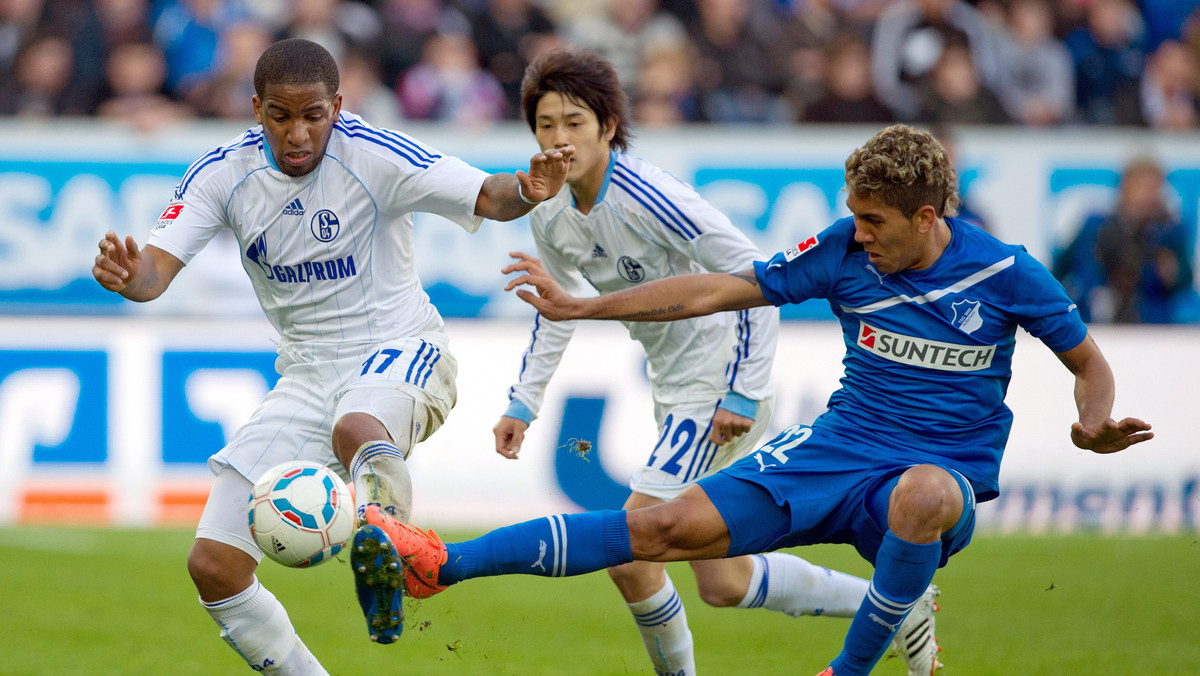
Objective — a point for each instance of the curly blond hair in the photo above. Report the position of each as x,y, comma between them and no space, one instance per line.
905,168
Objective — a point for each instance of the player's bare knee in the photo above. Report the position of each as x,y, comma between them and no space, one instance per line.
925,503
353,430
653,531
720,593
219,571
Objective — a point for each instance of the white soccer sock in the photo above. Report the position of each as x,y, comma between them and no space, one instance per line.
381,476
662,622
794,586
255,625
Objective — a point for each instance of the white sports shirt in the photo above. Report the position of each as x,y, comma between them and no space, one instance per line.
330,253
647,224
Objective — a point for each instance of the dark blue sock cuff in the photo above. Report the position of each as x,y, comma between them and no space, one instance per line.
616,538
910,552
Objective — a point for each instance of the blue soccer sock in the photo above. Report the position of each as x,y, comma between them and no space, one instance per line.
553,546
903,570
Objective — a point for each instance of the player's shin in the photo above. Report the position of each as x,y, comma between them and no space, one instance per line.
381,477
662,622
255,624
903,571
794,586
554,546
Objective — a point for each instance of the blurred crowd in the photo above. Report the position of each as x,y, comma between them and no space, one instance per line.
939,63
1024,62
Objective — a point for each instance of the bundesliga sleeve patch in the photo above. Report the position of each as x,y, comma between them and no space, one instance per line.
793,252
169,214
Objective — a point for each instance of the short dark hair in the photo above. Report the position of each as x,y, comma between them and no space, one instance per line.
295,61
584,77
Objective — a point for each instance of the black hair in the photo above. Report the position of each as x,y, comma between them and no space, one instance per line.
582,76
295,61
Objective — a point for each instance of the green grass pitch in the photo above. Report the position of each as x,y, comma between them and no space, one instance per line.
117,602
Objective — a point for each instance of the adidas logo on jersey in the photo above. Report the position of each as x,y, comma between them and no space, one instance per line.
294,208
599,252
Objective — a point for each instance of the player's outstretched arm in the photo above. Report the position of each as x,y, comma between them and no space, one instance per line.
508,196
1095,388
662,300
139,275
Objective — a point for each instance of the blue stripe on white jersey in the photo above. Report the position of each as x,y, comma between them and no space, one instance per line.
252,137
416,154
653,199
533,339
742,349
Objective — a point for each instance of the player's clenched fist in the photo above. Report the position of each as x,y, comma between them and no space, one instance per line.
116,263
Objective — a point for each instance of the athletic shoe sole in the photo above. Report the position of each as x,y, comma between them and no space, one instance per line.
379,583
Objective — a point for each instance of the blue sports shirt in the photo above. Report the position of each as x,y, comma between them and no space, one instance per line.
928,352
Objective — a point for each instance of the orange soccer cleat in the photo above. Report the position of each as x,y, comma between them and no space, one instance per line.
421,552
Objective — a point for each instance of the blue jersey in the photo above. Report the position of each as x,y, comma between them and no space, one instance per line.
928,352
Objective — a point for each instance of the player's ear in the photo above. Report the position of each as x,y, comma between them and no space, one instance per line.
257,103
608,130
924,218
337,106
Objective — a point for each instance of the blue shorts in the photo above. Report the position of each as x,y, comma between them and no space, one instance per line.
811,485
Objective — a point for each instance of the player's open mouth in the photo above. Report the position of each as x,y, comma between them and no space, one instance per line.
296,158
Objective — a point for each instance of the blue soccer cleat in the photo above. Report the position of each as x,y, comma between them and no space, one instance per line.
378,581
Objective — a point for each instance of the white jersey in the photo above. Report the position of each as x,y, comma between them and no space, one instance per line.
330,253
646,224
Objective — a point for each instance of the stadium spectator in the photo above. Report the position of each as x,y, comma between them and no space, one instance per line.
136,75
908,42
849,95
508,34
711,378
41,81
1130,265
448,84
1165,19
20,22
327,407
666,88
810,30
333,24
955,95
188,32
224,93
407,24
1037,82
363,89
1108,57
102,28
904,278
742,62
626,34
1168,89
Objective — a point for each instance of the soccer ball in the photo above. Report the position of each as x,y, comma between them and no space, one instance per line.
301,514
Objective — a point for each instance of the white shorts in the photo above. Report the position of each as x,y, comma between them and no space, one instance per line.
684,453
226,516
399,381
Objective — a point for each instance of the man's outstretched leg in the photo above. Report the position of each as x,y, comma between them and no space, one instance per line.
684,529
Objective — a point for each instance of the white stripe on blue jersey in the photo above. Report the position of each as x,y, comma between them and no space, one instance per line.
330,254
646,225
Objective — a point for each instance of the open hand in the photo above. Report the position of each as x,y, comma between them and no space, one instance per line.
1111,436
550,300
547,173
